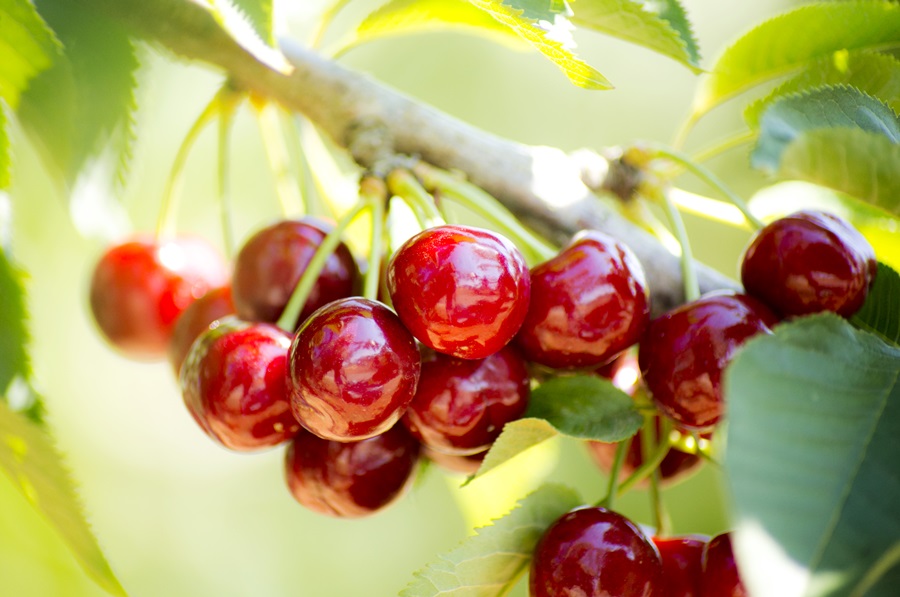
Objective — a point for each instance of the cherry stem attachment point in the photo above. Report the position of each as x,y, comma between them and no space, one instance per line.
404,185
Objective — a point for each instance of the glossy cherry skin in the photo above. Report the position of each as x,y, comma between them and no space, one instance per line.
213,305
588,304
271,262
353,370
351,479
809,262
139,289
681,560
460,290
233,382
461,405
720,576
683,353
598,553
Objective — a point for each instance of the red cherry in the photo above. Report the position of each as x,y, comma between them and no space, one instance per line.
596,552
141,287
720,576
681,561
233,382
213,305
353,479
271,262
461,405
809,262
460,290
353,370
588,304
683,353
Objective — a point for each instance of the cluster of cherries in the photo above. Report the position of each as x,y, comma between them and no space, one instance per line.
360,390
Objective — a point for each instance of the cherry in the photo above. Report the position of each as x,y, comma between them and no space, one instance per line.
460,290
140,287
233,382
720,576
455,463
681,560
353,370
213,305
461,405
588,304
351,479
271,262
809,262
683,353
595,551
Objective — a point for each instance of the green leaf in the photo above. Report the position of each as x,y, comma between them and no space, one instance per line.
261,15
14,360
789,42
251,28
26,45
545,26
660,26
489,563
875,74
4,150
84,104
880,314
586,407
515,438
825,107
862,164
812,457
30,460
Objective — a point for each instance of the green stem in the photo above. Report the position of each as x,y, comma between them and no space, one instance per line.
685,129
225,119
286,187
612,489
652,463
293,133
688,273
327,18
374,191
403,184
483,204
648,445
723,145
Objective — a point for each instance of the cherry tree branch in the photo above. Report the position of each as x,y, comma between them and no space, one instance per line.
546,188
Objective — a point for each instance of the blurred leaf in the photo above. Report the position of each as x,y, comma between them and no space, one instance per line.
26,45
14,361
261,15
660,26
544,24
4,150
877,75
880,314
489,563
862,164
251,28
516,437
812,457
28,457
84,104
825,107
795,39
586,407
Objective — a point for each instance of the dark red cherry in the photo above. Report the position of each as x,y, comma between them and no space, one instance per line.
809,262
461,405
233,382
271,262
720,576
683,353
460,290
141,287
213,305
681,561
351,479
596,552
588,304
467,465
353,370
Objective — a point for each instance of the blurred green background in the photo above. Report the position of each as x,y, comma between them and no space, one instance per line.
179,516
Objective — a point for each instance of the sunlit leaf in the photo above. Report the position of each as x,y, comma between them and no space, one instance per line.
30,460
252,30
26,45
785,44
875,74
660,26
14,361
824,107
490,562
880,314
516,437
545,26
260,13
812,458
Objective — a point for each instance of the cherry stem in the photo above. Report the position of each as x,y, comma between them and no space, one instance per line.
325,20
298,157
165,226
486,206
612,490
225,119
652,463
688,273
373,191
403,184
288,319
720,147
286,187
648,445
